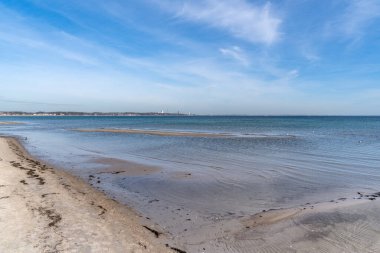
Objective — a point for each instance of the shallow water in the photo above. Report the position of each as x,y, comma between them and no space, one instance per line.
267,162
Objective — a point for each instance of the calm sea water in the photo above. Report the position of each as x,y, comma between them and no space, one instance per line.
270,162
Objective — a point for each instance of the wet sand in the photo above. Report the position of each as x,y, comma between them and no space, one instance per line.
47,210
343,225
155,132
124,168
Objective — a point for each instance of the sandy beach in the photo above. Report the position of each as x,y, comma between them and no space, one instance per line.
47,210
43,209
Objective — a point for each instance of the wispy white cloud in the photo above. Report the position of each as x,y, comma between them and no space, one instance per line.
235,53
52,41
360,14
257,24
356,18
16,31
46,48
309,53
294,73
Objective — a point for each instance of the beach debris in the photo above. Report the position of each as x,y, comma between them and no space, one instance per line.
23,182
142,245
155,232
30,172
175,249
103,210
117,172
372,196
51,214
46,194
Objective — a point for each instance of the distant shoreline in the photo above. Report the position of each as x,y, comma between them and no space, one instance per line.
58,114
148,114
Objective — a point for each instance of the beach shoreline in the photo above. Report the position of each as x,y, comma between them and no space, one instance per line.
43,209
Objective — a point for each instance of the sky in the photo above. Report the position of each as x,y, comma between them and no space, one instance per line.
284,57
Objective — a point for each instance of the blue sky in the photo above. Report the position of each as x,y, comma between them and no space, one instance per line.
205,57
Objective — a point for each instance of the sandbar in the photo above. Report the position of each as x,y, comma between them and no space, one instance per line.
11,123
155,132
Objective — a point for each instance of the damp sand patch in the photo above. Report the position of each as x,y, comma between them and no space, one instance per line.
123,167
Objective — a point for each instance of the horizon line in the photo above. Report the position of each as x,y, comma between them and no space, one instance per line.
84,113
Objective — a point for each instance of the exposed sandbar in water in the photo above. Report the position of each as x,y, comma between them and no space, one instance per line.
182,133
10,123
155,132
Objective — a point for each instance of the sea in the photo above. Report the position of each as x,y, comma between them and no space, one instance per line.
263,162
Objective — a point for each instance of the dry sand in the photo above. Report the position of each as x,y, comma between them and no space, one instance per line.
47,210
155,132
